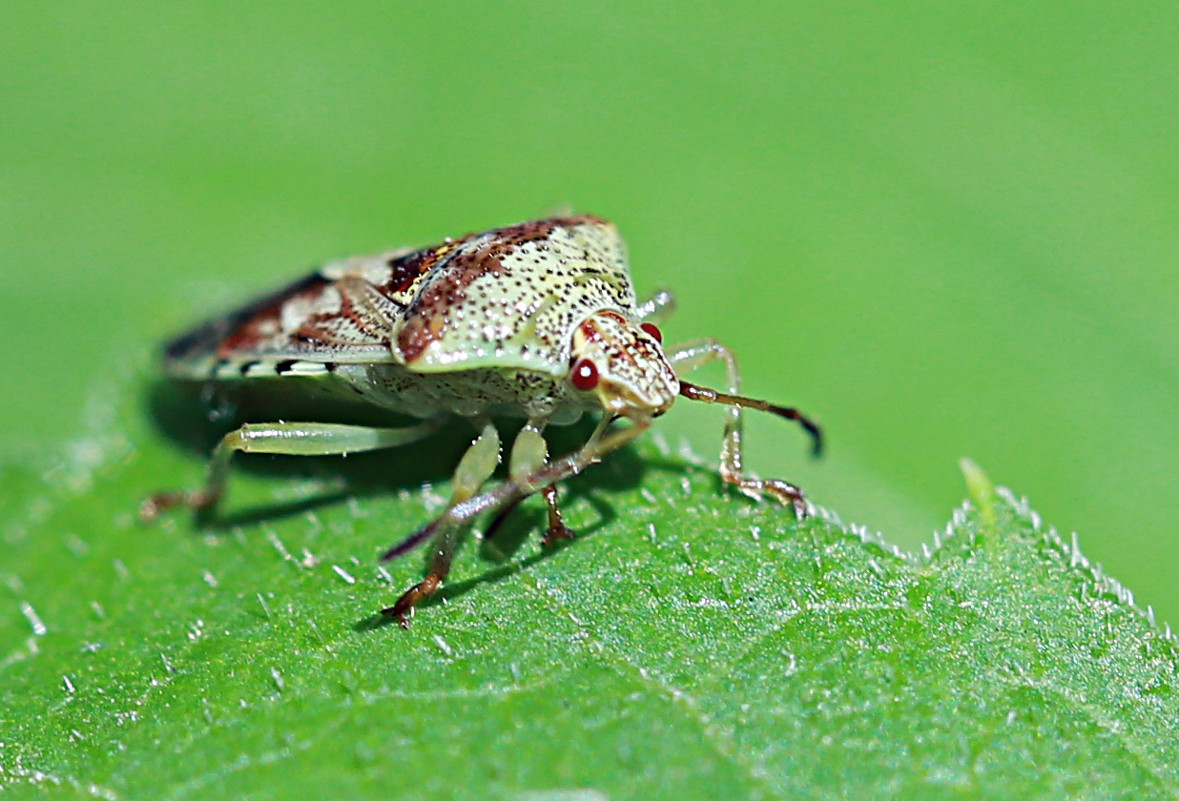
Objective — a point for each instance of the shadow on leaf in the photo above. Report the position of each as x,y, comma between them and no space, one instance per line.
196,419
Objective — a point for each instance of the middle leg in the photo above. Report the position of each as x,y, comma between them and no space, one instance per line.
515,489
530,453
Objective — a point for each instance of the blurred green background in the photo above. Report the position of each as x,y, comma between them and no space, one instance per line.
946,230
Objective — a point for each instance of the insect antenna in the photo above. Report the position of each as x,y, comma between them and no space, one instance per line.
693,392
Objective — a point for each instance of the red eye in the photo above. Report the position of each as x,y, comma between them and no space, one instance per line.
652,331
585,375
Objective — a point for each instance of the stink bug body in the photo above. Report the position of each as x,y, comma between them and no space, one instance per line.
537,320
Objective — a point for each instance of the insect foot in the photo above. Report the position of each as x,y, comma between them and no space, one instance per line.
538,321
410,598
154,505
782,491
557,528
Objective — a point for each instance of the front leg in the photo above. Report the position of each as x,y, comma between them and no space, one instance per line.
691,355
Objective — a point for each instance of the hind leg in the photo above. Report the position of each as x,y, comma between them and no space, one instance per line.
291,439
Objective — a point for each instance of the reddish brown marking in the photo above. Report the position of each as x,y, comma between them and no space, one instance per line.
317,328
243,330
507,239
413,341
457,268
502,241
413,266
427,315
590,331
244,338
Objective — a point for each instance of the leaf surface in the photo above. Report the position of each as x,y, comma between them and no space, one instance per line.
688,645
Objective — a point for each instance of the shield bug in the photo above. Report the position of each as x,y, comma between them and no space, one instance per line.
537,320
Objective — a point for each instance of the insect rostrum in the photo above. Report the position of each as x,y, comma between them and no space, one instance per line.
537,320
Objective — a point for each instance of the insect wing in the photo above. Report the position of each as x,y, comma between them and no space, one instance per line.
333,315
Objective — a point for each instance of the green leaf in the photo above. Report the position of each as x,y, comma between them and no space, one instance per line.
688,645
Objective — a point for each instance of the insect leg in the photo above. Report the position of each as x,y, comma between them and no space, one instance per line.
295,439
557,528
691,355
476,466
518,487
656,308
511,491
530,453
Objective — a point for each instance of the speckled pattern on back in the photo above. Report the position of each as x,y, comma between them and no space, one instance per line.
512,297
411,328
